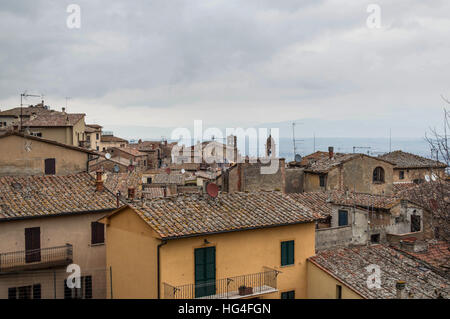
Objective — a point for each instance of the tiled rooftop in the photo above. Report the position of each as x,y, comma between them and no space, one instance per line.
30,196
408,160
190,215
325,164
348,265
122,181
315,201
112,138
54,119
437,255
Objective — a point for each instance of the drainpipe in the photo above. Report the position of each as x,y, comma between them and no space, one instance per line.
159,270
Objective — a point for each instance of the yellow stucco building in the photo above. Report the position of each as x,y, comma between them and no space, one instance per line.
238,245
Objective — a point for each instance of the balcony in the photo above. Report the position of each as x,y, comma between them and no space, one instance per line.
227,288
36,259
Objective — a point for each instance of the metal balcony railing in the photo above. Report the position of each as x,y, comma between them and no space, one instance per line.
36,258
226,288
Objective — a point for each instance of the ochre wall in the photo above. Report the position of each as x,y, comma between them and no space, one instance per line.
16,160
321,285
131,252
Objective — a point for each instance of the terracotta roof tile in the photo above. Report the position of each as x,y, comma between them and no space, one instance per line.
28,196
408,160
348,265
54,119
190,215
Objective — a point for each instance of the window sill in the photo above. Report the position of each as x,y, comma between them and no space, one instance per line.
98,244
285,266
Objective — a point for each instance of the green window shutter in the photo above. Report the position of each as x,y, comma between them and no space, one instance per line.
287,253
205,271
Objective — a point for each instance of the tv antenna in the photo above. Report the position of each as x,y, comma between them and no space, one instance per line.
24,95
294,140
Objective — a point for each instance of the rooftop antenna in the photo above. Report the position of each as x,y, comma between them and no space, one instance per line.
314,142
390,140
24,95
294,140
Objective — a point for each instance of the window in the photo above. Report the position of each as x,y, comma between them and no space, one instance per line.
50,164
342,218
378,175
98,233
25,292
338,292
322,180
149,180
375,238
98,148
288,295
287,253
84,292
415,223
97,136
401,174
32,244
38,134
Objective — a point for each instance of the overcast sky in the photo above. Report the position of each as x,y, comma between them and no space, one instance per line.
231,63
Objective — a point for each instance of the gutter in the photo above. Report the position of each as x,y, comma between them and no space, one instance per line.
158,258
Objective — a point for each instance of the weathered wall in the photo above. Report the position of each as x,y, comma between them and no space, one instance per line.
321,285
412,174
311,182
56,231
294,180
16,160
333,237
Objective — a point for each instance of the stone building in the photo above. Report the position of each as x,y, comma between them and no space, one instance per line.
93,135
108,140
353,172
414,168
350,219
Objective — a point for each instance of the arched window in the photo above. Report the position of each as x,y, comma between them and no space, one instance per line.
378,175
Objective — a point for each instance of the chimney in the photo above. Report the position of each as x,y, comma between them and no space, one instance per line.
131,193
400,286
118,198
99,181
330,152
64,110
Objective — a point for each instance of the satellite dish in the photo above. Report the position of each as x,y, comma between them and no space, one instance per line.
183,171
168,170
427,178
116,168
212,190
433,177
298,158
107,156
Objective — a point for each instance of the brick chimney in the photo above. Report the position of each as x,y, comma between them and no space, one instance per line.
99,181
330,152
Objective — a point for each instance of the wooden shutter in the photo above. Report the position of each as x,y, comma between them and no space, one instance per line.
97,233
343,218
50,166
205,271
37,291
32,244
287,253
12,293
88,287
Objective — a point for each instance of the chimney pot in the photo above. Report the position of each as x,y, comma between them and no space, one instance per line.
331,152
